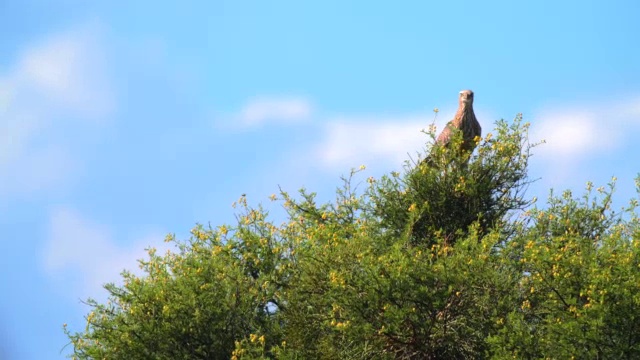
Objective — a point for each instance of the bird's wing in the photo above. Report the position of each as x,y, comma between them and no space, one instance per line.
478,128
445,135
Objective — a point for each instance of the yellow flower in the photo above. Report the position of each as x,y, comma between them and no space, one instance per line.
362,167
589,185
333,277
435,110
412,207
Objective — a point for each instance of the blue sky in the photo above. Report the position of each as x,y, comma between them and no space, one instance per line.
122,122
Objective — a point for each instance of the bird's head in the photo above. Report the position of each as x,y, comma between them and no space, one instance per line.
466,97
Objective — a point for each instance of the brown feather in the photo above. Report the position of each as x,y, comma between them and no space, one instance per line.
465,121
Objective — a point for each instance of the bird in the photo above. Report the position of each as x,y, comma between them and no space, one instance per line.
465,121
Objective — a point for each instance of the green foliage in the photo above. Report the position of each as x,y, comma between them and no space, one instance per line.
440,262
448,194
221,287
580,293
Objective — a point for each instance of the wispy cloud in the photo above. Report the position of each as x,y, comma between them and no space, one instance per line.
83,255
585,142
573,134
385,142
350,141
347,141
265,110
68,70
50,86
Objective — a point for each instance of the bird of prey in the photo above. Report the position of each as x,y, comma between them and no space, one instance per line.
464,121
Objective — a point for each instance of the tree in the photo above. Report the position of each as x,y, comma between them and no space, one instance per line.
416,274
579,295
442,261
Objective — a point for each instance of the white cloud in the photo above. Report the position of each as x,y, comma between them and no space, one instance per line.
276,110
67,69
50,86
574,133
579,136
83,255
350,141
385,142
